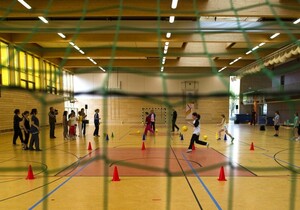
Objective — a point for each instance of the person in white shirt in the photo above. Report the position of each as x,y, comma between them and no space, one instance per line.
152,116
223,126
196,133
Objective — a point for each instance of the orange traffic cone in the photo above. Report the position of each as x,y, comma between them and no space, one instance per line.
252,146
222,175
143,146
90,146
30,173
116,175
193,147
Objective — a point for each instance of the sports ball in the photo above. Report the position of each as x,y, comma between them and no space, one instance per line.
205,137
138,131
184,128
156,130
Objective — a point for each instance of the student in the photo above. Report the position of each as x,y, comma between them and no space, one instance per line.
79,123
296,126
174,118
34,128
224,128
65,125
97,123
148,124
196,133
152,117
253,117
72,125
276,120
52,120
17,128
25,125
84,121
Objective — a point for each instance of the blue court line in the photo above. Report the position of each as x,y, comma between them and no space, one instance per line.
206,189
281,161
55,189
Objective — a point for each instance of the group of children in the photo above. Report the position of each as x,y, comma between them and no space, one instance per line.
25,125
71,123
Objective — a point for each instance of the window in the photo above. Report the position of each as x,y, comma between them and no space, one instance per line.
4,54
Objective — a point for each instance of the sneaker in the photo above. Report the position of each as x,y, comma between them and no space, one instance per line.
38,150
218,138
232,139
297,139
276,135
189,150
207,144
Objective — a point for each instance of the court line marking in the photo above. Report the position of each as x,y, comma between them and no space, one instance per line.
187,180
202,183
60,185
281,161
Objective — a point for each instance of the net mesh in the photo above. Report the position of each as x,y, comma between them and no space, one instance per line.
56,84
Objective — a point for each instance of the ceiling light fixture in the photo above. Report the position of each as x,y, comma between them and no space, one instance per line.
71,43
222,68
43,19
172,19
247,53
274,35
167,43
255,48
61,35
162,68
168,35
174,4
25,4
76,47
261,44
101,68
296,21
81,52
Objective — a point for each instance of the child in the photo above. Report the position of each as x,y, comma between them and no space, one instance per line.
25,125
79,123
276,120
97,123
196,132
148,124
72,125
65,125
224,128
34,128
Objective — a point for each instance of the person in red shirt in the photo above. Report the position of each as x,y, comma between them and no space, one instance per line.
148,124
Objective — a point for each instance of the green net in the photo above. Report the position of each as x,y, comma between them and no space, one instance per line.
113,53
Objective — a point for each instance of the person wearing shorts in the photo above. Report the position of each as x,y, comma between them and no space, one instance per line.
223,126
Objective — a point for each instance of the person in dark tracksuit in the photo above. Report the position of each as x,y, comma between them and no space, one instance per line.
17,129
52,120
96,122
174,118
34,129
25,125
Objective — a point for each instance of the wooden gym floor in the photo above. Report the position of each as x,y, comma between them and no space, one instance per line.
164,176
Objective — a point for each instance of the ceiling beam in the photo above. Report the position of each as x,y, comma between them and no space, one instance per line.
196,62
147,37
137,8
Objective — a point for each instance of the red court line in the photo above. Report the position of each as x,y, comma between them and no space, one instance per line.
152,162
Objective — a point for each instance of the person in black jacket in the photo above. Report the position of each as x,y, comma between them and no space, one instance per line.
52,120
17,129
25,125
174,118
